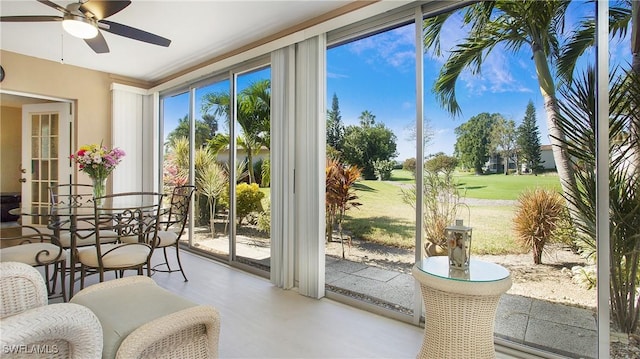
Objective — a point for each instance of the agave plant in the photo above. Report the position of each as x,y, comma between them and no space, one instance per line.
537,215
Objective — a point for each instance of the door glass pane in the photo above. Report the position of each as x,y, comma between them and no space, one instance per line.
511,187
252,195
212,169
370,135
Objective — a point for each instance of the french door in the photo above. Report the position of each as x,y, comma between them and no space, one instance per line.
46,146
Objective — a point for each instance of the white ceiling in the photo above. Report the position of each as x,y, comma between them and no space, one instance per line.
199,31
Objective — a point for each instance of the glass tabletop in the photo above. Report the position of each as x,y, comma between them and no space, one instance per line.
479,271
52,211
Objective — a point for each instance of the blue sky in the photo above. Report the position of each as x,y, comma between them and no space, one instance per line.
377,74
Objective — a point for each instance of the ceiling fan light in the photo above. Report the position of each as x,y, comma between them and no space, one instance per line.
79,26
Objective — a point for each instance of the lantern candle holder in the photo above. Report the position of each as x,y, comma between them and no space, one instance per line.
459,245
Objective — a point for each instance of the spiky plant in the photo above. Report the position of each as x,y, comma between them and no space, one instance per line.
537,215
340,194
578,120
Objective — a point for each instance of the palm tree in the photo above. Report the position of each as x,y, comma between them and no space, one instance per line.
621,16
513,24
253,115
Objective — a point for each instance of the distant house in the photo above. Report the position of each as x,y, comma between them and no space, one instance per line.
546,159
495,164
241,155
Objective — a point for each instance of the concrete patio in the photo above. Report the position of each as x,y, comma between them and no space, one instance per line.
557,328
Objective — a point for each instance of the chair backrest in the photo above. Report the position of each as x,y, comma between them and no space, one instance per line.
131,214
178,211
72,195
21,288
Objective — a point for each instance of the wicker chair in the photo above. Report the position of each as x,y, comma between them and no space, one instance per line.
29,325
142,320
38,250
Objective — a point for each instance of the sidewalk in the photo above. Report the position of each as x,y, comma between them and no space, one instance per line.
557,328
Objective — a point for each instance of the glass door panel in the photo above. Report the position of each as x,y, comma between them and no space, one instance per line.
212,168
45,131
252,191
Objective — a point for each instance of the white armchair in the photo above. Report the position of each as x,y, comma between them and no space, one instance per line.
29,326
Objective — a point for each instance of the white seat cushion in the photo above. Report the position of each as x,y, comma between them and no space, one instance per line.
26,253
165,239
121,256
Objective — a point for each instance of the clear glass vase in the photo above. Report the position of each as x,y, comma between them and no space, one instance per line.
99,189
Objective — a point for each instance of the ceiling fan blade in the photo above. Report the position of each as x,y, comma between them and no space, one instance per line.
53,5
103,9
136,34
98,44
36,18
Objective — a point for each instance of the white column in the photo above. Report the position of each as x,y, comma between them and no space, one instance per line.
282,167
132,131
310,162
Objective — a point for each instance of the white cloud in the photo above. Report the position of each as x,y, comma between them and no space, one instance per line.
395,48
334,75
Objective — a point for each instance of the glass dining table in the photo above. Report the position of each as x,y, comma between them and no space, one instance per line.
61,218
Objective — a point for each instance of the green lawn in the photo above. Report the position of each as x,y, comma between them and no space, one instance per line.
499,186
384,217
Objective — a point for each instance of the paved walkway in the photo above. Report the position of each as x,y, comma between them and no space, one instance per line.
561,329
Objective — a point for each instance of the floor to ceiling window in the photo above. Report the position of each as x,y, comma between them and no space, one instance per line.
231,208
370,135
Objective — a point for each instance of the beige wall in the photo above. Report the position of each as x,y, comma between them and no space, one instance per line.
10,144
88,89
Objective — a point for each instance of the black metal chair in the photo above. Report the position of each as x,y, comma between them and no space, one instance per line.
134,218
38,249
172,226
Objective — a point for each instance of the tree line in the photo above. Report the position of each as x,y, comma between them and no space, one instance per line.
486,135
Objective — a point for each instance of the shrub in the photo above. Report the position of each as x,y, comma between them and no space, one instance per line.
248,198
264,218
537,215
410,165
383,169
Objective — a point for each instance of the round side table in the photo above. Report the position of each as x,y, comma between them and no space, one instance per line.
460,307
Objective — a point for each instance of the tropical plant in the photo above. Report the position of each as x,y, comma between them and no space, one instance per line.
578,121
253,116
514,25
211,182
340,195
442,202
537,214
264,218
265,173
182,130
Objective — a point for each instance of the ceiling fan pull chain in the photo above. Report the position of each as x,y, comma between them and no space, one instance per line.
62,48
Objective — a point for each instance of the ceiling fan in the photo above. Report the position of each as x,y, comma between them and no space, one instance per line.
85,18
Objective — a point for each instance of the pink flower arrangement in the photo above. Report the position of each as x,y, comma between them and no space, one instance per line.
97,161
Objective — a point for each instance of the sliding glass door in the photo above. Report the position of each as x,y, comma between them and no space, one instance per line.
231,210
